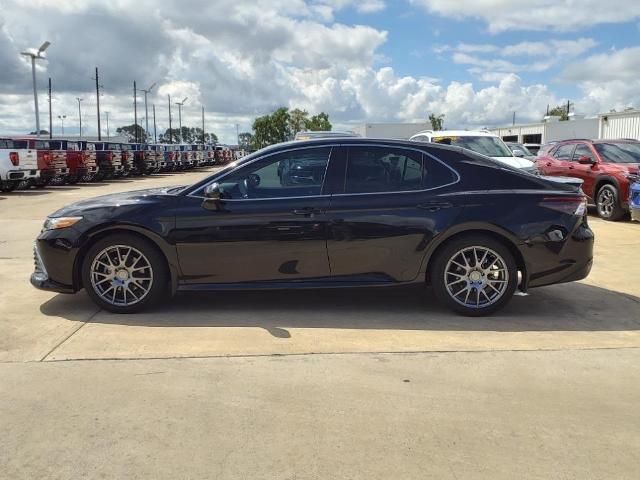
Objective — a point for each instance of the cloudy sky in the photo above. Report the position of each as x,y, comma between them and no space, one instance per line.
476,61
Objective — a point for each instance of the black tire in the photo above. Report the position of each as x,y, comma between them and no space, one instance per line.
9,185
157,264
449,252
608,203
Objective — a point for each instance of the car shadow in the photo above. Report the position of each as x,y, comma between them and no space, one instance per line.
568,307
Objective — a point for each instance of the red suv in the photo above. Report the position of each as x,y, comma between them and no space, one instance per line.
607,167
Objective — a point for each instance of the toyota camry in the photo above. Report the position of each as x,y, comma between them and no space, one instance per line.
367,213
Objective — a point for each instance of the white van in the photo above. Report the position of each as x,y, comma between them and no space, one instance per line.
481,142
17,163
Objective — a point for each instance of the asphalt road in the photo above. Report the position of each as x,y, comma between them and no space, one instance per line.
363,383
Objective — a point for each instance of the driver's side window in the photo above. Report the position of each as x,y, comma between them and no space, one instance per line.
297,173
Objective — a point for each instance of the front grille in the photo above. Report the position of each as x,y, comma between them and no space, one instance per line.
40,272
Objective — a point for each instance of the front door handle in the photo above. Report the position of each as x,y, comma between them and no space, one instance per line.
435,206
307,211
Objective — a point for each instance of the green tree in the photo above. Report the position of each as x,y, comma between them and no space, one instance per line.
437,121
129,131
189,135
245,141
270,129
560,111
319,123
298,120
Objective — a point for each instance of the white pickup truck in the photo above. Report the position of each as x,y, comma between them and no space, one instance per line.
17,163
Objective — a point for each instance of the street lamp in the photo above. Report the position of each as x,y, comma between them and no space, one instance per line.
146,110
39,54
80,115
62,117
107,115
180,104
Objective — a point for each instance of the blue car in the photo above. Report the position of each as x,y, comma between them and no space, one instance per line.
634,201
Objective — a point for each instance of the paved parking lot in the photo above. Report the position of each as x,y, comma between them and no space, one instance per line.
331,384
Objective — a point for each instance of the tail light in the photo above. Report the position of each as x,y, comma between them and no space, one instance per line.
570,205
109,156
15,158
46,157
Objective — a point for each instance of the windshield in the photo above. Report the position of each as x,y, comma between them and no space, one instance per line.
113,146
619,152
489,146
519,146
42,145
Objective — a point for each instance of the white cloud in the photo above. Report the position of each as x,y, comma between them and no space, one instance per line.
560,15
608,80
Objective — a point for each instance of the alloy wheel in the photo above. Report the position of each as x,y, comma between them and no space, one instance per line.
606,202
121,275
476,277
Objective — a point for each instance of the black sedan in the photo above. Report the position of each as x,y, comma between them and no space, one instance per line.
381,213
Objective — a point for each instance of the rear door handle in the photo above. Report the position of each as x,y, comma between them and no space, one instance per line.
307,211
435,206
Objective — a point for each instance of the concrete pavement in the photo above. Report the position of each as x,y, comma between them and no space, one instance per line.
298,384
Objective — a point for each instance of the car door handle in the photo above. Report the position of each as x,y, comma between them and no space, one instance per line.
307,211
548,164
435,206
571,167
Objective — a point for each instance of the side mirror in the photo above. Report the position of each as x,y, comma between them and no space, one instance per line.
586,160
518,153
212,196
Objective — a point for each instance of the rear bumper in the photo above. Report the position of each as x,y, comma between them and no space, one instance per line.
20,174
560,261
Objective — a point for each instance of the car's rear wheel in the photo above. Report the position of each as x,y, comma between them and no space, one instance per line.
474,275
124,273
608,203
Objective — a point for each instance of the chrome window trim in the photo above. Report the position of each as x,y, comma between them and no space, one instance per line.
457,175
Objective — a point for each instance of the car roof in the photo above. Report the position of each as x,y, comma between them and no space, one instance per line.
455,133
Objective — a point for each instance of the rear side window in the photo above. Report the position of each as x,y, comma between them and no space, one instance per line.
4,144
41,145
564,152
382,169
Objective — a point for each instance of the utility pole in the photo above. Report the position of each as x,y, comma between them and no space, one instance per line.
135,110
155,137
514,118
568,107
180,104
80,115
203,124
108,135
170,132
98,106
50,114
238,134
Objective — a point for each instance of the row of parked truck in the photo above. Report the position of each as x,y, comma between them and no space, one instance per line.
27,162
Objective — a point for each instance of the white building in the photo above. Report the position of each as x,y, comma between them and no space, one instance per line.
619,124
400,131
548,131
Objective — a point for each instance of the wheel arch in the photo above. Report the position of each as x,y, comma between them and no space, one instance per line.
503,236
605,180
91,237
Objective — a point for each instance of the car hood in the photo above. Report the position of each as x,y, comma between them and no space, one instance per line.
114,200
517,162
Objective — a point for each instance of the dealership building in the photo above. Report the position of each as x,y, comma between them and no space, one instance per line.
605,125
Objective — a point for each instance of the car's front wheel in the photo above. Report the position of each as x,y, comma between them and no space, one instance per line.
474,275
124,273
608,203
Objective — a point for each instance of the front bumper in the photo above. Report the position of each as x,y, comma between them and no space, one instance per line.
40,276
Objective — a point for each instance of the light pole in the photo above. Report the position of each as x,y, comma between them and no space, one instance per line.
155,137
39,54
238,134
107,114
61,118
180,104
146,110
80,115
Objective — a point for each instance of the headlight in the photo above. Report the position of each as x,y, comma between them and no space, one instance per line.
56,223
